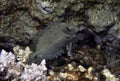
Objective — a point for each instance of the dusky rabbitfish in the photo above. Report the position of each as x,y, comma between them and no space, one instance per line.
50,42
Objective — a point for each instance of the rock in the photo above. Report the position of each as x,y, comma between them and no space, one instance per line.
19,25
100,17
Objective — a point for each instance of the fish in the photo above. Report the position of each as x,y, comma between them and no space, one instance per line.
50,42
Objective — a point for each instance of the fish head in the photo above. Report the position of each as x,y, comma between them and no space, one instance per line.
70,31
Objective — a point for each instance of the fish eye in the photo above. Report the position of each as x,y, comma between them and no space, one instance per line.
68,28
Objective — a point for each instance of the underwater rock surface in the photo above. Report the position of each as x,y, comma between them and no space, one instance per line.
26,23
101,17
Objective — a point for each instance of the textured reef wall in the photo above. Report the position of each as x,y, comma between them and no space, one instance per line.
76,32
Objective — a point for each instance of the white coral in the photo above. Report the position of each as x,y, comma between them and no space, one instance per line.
6,59
34,72
19,70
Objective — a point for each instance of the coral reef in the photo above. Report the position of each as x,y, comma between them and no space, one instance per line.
100,17
79,73
91,55
22,54
10,69
109,76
